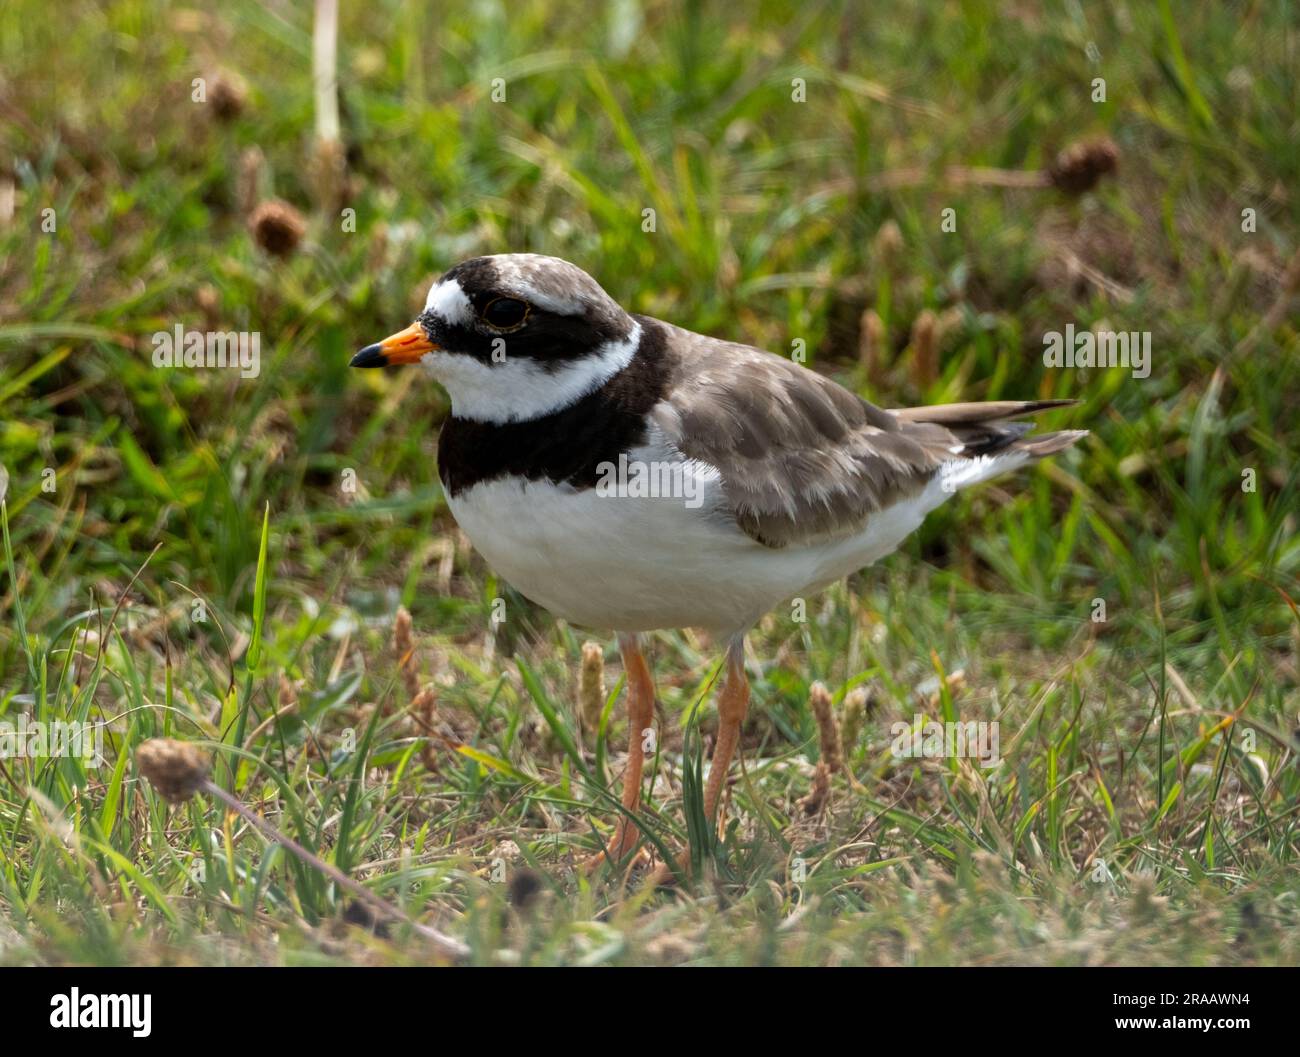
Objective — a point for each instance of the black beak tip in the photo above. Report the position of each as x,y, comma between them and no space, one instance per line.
370,356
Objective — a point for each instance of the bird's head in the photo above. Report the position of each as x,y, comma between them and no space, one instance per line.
513,337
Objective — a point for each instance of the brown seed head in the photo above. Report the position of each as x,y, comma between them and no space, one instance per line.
227,94
248,181
591,685
855,714
277,227
871,345
819,700
888,243
328,175
925,349
176,769
403,641
1080,166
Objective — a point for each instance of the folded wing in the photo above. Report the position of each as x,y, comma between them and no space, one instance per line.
803,459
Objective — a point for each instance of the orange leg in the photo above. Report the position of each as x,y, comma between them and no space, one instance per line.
640,716
733,704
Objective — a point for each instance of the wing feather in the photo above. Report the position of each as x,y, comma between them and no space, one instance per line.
801,458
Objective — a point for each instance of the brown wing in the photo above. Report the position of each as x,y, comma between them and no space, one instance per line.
800,457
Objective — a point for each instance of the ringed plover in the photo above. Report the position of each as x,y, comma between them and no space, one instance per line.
630,475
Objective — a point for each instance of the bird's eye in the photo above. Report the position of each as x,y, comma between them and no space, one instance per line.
505,312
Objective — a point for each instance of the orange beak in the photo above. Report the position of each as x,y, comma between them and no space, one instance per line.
406,346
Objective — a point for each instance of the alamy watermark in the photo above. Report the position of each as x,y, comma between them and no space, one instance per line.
932,740
179,347
31,739
75,1010
1102,348
638,479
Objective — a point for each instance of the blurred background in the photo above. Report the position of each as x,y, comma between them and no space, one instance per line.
917,193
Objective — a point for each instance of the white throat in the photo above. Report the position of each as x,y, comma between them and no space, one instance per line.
519,389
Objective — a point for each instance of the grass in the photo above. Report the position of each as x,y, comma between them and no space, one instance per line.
221,560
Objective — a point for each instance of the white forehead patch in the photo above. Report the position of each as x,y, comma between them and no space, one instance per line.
518,389
447,301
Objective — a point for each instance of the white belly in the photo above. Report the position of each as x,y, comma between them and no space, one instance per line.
639,564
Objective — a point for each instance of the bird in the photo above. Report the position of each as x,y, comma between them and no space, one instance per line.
632,476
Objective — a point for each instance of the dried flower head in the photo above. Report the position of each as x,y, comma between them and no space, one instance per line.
227,94
591,685
871,345
328,175
925,349
855,714
277,227
1080,166
176,769
250,178
888,243
819,700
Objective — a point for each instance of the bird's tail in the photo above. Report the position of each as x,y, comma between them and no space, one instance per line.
990,440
